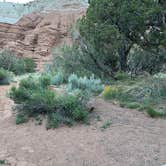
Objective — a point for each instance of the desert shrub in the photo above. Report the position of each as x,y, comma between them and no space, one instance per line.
71,105
5,77
21,118
45,80
33,97
154,114
141,60
54,119
120,75
111,92
66,60
2,162
57,79
17,65
19,95
10,62
91,84
30,65
159,85
145,93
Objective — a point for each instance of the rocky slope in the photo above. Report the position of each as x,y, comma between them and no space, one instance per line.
35,34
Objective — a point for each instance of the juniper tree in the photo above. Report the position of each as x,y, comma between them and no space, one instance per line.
113,27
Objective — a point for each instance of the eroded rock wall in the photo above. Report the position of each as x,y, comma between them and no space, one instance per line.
35,34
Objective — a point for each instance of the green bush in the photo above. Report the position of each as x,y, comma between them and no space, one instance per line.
73,107
79,114
153,113
67,61
21,118
17,65
45,80
121,75
30,65
2,162
33,97
5,77
53,120
141,60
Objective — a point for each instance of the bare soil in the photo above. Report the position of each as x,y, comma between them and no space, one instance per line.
133,139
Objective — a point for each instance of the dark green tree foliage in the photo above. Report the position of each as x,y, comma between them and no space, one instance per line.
112,27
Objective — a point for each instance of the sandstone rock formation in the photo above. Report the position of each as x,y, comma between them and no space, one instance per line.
35,34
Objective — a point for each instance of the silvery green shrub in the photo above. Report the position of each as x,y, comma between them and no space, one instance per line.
91,84
57,79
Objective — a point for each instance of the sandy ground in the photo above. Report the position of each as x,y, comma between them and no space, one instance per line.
133,139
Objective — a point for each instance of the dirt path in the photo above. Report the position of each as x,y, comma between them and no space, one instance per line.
133,139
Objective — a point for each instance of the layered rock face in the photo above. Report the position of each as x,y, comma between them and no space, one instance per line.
35,34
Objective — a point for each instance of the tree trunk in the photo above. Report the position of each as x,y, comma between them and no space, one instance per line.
123,56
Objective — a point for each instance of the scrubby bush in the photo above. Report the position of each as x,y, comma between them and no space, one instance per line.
111,92
17,65
57,79
141,60
159,85
120,75
45,80
29,65
5,77
33,97
154,114
91,84
71,106
67,61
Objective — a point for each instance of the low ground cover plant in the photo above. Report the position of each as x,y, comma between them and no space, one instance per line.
17,65
145,94
34,98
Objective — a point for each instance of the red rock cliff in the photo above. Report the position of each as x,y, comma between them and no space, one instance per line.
35,34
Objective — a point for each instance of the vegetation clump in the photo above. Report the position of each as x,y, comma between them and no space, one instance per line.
17,65
91,85
58,79
2,162
154,114
111,92
33,98
106,125
5,77
147,94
